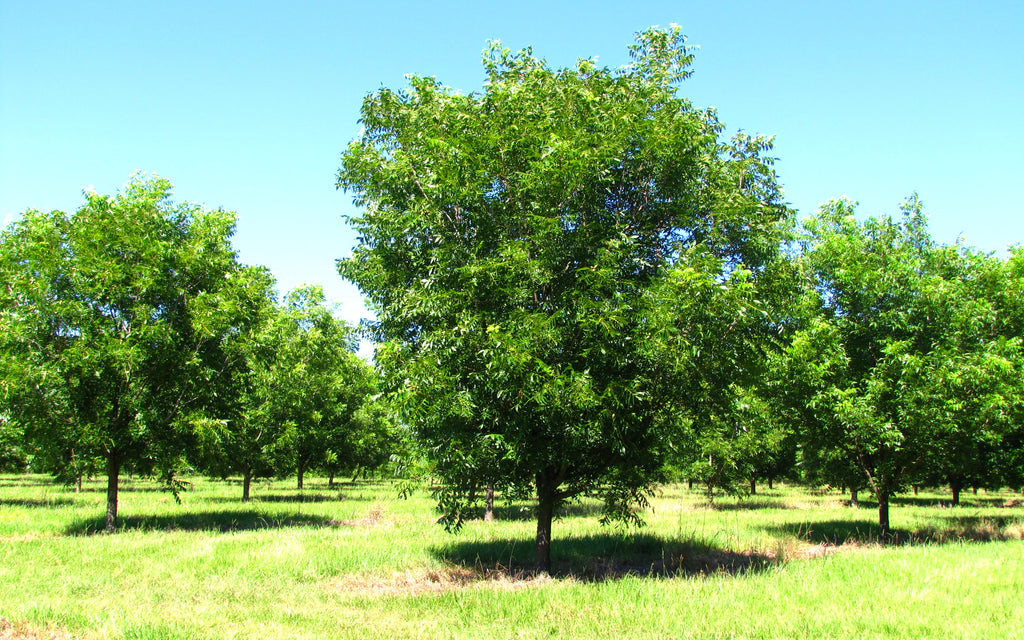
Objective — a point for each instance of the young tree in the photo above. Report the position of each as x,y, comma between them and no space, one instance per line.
315,382
113,319
512,247
243,438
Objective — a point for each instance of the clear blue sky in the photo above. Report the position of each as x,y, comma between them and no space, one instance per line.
248,105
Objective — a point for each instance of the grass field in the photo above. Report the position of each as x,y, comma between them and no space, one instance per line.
357,562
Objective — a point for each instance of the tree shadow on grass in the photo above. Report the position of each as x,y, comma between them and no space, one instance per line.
830,532
298,497
37,504
19,480
955,529
222,521
748,504
966,501
603,557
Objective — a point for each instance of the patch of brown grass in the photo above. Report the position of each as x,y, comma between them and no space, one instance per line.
415,582
23,631
375,517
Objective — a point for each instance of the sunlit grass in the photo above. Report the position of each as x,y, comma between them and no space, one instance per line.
354,561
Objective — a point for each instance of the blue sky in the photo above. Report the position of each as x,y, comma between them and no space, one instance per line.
248,105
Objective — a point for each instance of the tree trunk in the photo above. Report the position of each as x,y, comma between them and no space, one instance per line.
955,486
690,483
330,480
711,494
770,487
915,489
546,502
113,472
489,504
753,486
301,470
246,483
883,516
542,549
854,501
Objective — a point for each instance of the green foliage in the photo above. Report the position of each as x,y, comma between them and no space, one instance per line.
898,369
313,385
513,247
112,328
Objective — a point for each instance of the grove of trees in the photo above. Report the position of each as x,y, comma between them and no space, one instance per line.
580,287
133,339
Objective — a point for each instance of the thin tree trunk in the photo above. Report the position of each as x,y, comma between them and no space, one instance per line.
113,472
246,483
955,486
753,486
489,504
883,516
690,483
854,501
542,549
330,480
770,487
300,472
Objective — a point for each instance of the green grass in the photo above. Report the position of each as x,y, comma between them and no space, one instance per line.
357,562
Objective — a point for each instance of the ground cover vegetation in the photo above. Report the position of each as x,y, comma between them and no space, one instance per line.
355,561
585,300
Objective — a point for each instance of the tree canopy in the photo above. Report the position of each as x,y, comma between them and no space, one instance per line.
514,246
112,328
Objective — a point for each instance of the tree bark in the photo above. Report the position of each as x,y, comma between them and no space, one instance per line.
246,483
883,516
770,487
546,503
489,504
955,486
113,473
753,486
300,472
690,483
542,549
854,501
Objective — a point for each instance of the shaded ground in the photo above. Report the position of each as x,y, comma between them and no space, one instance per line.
604,557
48,503
224,521
956,528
